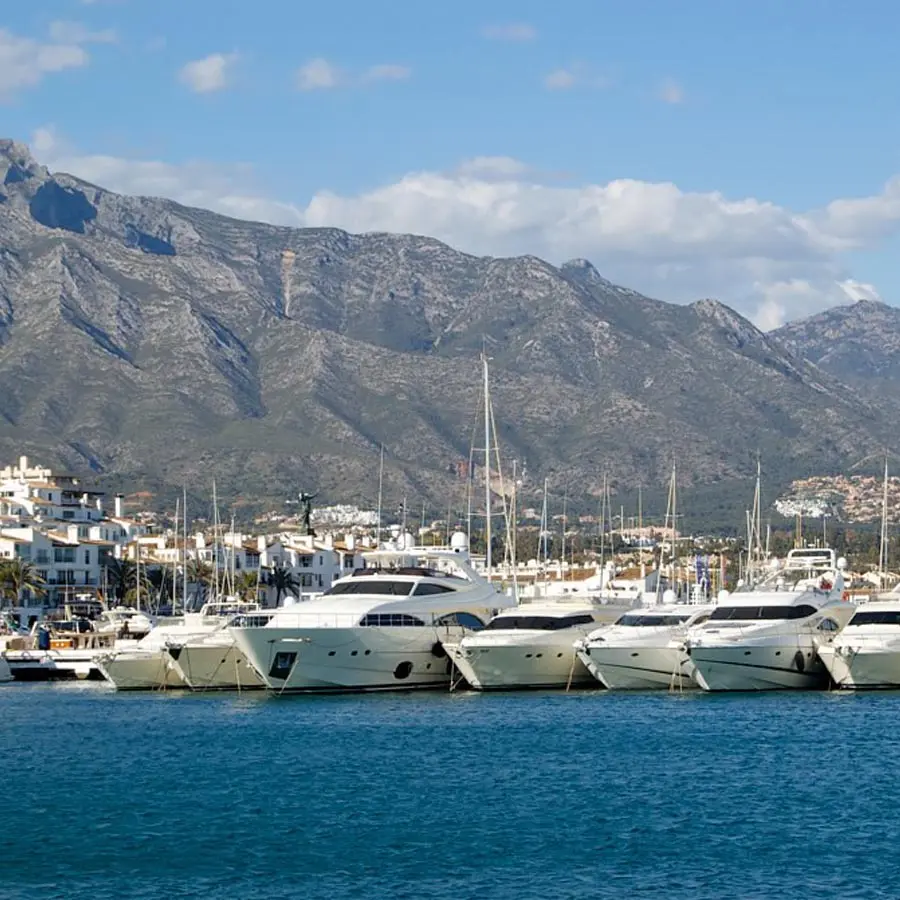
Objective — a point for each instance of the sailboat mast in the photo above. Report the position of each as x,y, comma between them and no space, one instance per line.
215,542
380,497
175,559
137,575
882,551
543,553
184,523
487,468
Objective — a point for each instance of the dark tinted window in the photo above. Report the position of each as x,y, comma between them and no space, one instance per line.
636,620
466,620
423,590
537,623
761,613
876,617
390,620
371,586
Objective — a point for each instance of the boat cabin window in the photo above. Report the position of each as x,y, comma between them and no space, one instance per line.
424,589
466,620
259,621
371,586
876,617
390,620
636,620
761,613
538,623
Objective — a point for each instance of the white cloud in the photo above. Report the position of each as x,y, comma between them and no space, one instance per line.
385,72
76,33
493,167
24,62
212,73
671,91
321,75
512,31
576,75
318,75
769,262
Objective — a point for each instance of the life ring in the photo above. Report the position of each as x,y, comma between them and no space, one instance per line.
825,584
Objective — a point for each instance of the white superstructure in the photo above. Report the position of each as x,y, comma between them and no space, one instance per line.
767,637
644,649
380,628
866,653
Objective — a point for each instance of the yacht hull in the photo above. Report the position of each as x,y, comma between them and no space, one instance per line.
747,667
211,667
136,671
639,668
519,666
861,668
311,660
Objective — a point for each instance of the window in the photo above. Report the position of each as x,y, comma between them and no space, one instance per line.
466,620
876,617
64,554
636,620
394,588
424,589
87,557
538,623
255,621
761,613
390,620
68,513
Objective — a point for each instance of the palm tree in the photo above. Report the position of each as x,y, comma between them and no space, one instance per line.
121,575
201,574
247,586
18,575
283,580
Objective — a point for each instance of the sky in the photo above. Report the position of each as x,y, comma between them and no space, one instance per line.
746,150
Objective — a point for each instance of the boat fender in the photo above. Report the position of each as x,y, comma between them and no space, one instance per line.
437,650
825,583
799,661
845,595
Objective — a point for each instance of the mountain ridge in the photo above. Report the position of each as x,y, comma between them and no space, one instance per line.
143,338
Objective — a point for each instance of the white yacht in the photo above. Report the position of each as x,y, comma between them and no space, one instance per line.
213,662
124,622
644,649
380,628
866,653
766,637
528,646
146,665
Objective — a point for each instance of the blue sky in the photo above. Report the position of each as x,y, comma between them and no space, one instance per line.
689,148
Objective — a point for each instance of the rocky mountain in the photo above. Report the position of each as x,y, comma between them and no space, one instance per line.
143,339
859,344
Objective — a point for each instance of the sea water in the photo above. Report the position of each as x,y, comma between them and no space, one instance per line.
447,796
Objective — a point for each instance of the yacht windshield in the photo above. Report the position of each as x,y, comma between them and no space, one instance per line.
636,620
757,613
876,617
371,586
538,623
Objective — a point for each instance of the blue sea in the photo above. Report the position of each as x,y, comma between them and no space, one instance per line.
447,796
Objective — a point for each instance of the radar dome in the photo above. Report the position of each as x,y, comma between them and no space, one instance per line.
459,541
668,596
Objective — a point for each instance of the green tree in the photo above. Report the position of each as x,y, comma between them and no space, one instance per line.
283,580
247,586
18,576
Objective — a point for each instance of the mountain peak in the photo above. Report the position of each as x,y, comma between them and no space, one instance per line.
17,164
